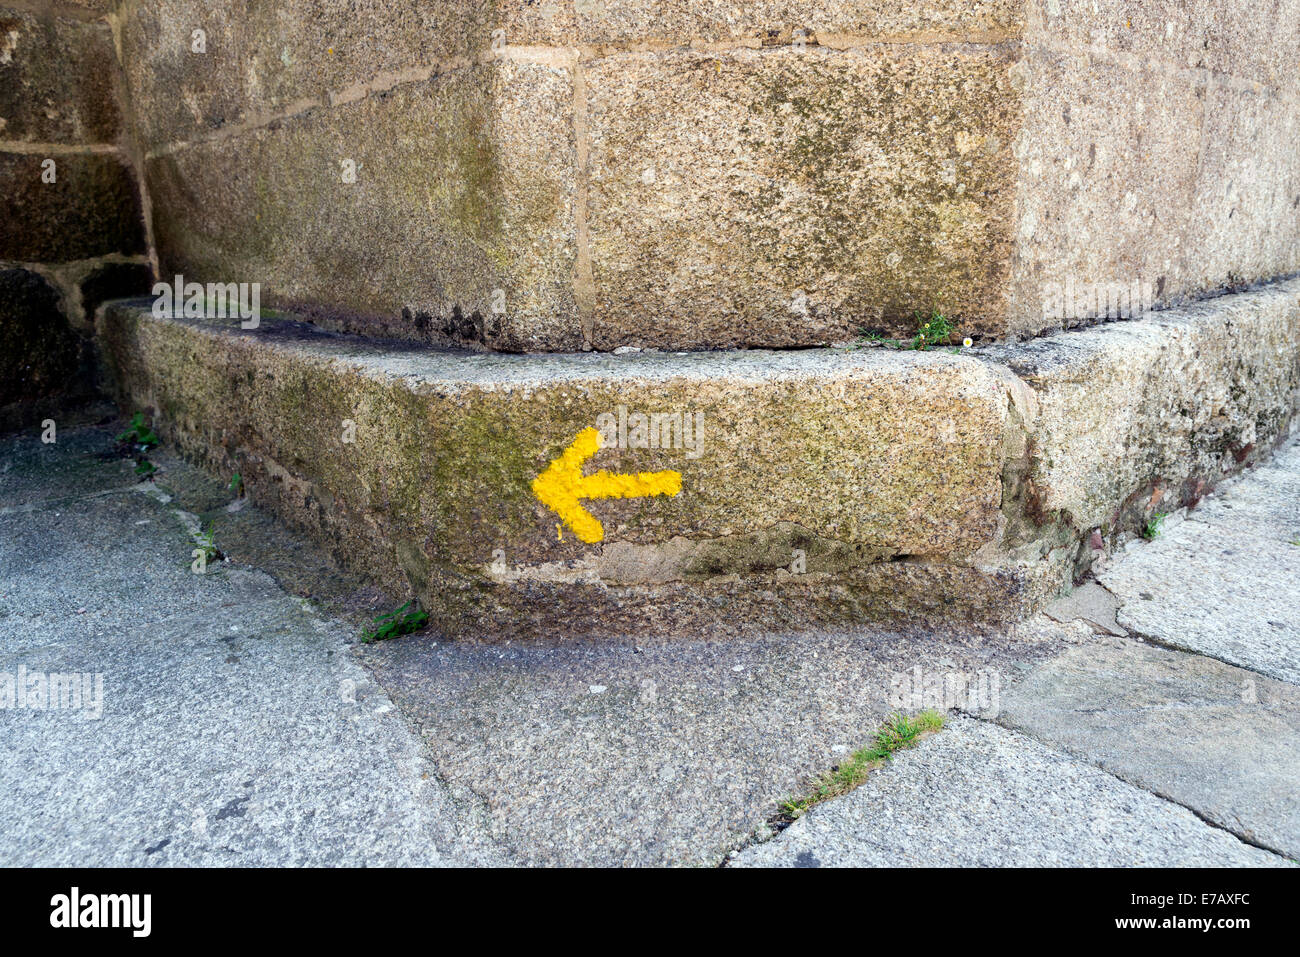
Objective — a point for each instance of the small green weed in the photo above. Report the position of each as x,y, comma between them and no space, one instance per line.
931,330
236,484
395,623
207,540
898,732
139,434
1152,528
140,438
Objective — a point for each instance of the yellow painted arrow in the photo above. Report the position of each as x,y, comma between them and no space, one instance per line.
562,484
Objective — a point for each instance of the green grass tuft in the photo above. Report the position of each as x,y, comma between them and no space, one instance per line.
898,732
207,540
931,330
140,438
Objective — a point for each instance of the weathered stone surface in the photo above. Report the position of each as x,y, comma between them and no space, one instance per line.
1133,418
1218,593
975,795
1245,221
234,725
843,457
1219,740
1106,173
56,80
635,752
459,221
809,195
1221,582
1093,605
1246,39
1154,150
88,9
641,752
112,280
907,485
772,21
262,61
728,180
92,208
41,358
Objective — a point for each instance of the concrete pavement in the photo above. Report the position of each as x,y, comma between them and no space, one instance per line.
242,723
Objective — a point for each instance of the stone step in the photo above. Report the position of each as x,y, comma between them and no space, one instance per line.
586,494
551,177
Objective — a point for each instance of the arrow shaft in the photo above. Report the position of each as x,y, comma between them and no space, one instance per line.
604,484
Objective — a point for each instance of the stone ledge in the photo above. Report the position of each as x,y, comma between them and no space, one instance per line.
820,485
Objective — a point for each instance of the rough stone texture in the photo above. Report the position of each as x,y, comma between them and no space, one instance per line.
1106,173
263,61
92,208
1154,148
975,795
58,105
845,456
460,221
1246,205
769,21
710,174
1246,39
683,753
810,194
1219,740
638,752
635,752
56,80
1221,582
43,361
237,728
1092,604
1133,418
111,280
918,485
725,179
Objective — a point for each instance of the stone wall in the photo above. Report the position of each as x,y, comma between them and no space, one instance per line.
73,233
567,174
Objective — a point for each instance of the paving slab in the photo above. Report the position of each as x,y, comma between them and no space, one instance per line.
668,752
79,462
1223,582
78,571
232,727
1219,740
1264,501
1090,603
239,726
976,795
